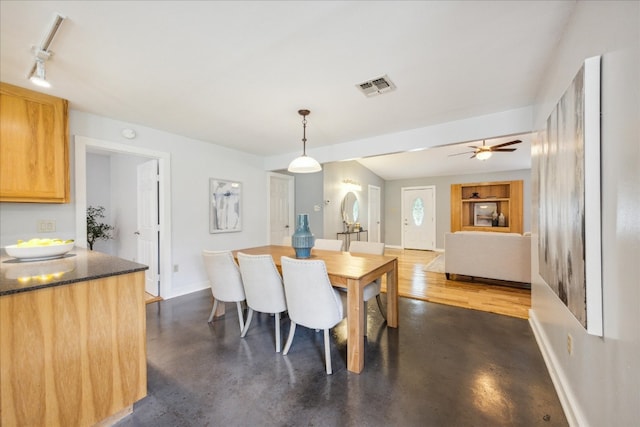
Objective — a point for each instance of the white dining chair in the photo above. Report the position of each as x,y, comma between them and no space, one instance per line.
329,244
226,281
372,289
263,288
311,300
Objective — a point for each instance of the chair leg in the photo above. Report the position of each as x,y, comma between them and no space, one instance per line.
292,331
327,351
247,322
382,310
213,311
240,315
277,332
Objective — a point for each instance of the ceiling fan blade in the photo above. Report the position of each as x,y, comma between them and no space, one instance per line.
517,141
459,154
474,155
505,149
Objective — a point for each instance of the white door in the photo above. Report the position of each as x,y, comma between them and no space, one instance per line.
418,218
374,213
280,207
148,226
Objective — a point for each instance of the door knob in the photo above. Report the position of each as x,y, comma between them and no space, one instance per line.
137,233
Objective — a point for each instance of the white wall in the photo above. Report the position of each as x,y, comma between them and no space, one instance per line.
335,190
599,383
393,200
193,162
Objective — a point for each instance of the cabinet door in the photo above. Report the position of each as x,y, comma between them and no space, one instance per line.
34,160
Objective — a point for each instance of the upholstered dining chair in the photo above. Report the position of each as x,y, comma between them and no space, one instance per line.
311,300
372,289
226,281
263,288
329,244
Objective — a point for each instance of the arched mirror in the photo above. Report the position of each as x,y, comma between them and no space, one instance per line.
350,208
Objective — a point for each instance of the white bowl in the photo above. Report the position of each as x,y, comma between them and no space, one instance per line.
37,253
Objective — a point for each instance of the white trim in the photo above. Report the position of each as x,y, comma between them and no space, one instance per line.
378,225
568,400
592,200
164,166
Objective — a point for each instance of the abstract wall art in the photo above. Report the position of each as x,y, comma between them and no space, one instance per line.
225,214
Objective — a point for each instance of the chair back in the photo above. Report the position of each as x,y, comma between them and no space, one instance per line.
311,300
224,276
262,283
329,244
361,247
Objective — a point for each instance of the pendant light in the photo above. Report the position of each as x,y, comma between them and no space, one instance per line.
304,163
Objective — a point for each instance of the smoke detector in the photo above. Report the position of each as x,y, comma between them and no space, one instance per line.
376,86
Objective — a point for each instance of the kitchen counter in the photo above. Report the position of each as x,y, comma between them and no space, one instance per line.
72,340
76,266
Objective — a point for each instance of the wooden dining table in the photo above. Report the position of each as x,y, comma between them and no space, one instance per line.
352,272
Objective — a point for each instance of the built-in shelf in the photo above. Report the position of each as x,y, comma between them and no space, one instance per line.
466,199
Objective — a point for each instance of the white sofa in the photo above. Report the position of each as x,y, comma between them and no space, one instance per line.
492,255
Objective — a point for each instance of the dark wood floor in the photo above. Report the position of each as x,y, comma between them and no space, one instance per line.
480,294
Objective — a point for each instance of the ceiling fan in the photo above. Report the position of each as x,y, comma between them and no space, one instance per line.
483,152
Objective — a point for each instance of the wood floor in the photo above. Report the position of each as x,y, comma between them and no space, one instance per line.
481,294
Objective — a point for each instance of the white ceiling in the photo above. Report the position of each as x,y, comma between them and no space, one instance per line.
236,73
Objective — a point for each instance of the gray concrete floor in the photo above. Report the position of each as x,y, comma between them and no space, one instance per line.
444,366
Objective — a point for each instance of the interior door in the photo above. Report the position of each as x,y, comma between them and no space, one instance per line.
374,213
280,207
148,224
418,218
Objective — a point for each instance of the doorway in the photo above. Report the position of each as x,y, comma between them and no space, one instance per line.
374,213
82,146
281,207
418,218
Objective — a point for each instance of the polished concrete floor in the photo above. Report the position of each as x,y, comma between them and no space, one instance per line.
444,366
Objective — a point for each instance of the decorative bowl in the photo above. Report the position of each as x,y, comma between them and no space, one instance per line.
38,253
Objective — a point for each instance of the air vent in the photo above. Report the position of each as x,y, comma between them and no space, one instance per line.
376,86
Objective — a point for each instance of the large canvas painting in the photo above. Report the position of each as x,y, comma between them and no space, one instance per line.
224,206
568,175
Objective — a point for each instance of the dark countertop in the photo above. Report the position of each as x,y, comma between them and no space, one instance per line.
78,265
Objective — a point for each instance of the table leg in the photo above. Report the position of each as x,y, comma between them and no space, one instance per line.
392,296
355,322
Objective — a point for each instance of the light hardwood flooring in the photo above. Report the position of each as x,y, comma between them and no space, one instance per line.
479,294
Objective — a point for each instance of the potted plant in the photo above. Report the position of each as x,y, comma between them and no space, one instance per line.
97,230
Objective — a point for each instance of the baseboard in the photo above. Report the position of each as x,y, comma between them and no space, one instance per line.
194,287
560,383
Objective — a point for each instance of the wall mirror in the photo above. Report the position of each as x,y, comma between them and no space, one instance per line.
350,208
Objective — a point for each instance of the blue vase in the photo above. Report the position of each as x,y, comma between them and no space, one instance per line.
302,240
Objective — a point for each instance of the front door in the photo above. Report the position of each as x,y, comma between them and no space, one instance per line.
418,218
148,227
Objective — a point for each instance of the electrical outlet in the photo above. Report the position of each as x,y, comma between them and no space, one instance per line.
569,344
46,226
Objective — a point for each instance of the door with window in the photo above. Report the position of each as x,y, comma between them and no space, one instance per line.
418,218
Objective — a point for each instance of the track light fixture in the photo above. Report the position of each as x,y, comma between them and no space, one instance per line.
38,74
304,163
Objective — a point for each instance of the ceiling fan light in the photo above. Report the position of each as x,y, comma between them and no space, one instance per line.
304,164
483,155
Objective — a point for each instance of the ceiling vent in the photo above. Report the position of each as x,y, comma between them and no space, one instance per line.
376,86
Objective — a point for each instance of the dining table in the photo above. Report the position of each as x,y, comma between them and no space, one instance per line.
353,272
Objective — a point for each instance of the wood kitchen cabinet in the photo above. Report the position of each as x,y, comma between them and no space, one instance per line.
34,149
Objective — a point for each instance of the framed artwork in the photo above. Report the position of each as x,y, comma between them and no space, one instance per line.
568,175
225,207
483,214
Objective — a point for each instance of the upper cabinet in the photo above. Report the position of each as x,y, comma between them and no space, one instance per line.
34,149
487,206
